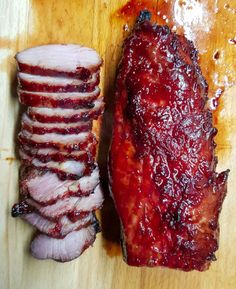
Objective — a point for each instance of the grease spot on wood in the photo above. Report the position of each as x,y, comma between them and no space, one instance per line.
4,150
10,159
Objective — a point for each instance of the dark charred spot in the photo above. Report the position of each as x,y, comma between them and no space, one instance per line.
144,15
212,258
232,41
20,209
97,226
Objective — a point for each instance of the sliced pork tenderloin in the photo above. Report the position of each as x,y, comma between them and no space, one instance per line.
69,143
72,100
47,188
36,127
23,208
39,83
66,170
79,62
49,115
66,249
68,205
50,154
60,228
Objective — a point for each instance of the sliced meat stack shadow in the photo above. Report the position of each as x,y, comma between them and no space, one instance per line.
59,177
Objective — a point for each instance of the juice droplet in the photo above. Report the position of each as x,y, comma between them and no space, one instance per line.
216,55
126,27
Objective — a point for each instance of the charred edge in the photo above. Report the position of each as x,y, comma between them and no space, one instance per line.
20,209
212,257
144,15
123,243
226,173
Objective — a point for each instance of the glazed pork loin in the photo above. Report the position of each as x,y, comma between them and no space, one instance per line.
162,162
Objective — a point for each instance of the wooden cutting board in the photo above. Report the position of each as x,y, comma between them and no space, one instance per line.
24,23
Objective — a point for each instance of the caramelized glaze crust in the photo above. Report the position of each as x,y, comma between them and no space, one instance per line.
162,163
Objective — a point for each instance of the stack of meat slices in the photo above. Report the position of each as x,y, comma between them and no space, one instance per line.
59,178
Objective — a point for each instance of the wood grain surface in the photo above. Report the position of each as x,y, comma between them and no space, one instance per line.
96,23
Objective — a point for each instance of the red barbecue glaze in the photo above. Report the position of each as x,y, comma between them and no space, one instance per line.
162,163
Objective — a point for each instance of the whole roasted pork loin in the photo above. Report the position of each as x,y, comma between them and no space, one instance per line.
162,163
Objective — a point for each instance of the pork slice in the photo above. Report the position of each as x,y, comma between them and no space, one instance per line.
50,154
68,169
61,99
66,249
48,115
70,142
68,226
79,62
36,127
60,228
37,83
47,188
68,205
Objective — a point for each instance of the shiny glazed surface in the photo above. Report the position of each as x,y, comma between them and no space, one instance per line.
162,163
